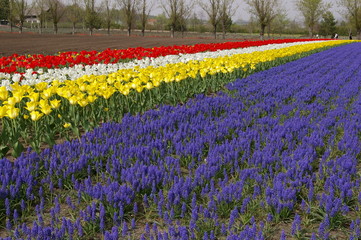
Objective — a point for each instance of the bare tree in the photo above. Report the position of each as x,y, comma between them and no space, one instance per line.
265,11
128,7
353,13
74,14
185,11
281,22
212,9
108,14
56,11
11,14
144,10
311,11
161,21
41,9
171,8
92,19
20,9
226,12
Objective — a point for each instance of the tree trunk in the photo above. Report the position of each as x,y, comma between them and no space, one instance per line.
91,31
108,29
215,32
129,31
143,32
55,28
41,27
223,31
73,28
310,31
172,32
263,27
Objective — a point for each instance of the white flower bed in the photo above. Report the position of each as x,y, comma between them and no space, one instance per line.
77,71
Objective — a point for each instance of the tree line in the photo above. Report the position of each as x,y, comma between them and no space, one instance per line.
317,17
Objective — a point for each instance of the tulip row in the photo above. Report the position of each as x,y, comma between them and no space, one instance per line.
19,64
276,154
70,73
36,114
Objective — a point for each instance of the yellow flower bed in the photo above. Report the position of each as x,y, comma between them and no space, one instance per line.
40,99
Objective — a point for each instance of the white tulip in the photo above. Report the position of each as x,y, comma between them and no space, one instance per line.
75,72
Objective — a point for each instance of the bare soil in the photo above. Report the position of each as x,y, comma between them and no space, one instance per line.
33,43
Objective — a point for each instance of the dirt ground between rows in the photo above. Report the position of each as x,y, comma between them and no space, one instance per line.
30,43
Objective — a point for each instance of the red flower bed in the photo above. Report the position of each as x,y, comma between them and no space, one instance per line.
19,63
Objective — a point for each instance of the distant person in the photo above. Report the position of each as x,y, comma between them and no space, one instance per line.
350,37
336,36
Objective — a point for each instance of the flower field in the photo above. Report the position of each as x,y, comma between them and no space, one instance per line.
245,140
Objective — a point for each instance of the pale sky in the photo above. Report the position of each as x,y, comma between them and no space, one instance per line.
242,9
289,6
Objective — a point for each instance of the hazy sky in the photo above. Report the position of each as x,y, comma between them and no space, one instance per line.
242,10
290,7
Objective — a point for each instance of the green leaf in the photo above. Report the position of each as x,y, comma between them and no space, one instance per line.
49,139
3,150
75,131
18,149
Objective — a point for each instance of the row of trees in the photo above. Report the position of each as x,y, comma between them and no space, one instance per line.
219,13
78,11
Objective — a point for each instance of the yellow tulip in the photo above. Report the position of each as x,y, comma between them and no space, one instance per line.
41,86
4,94
16,86
35,115
31,106
47,93
91,98
12,112
125,92
55,103
83,102
64,92
46,109
3,110
73,100
91,89
34,97
83,87
139,89
149,85
156,83
55,83
12,101
108,93
110,80
119,86
18,95
66,125
103,87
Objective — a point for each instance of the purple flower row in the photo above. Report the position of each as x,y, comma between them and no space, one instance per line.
280,144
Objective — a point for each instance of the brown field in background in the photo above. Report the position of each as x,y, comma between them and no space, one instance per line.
32,43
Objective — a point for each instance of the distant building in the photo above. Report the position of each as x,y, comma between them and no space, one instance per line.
152,22
4,22
32,17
